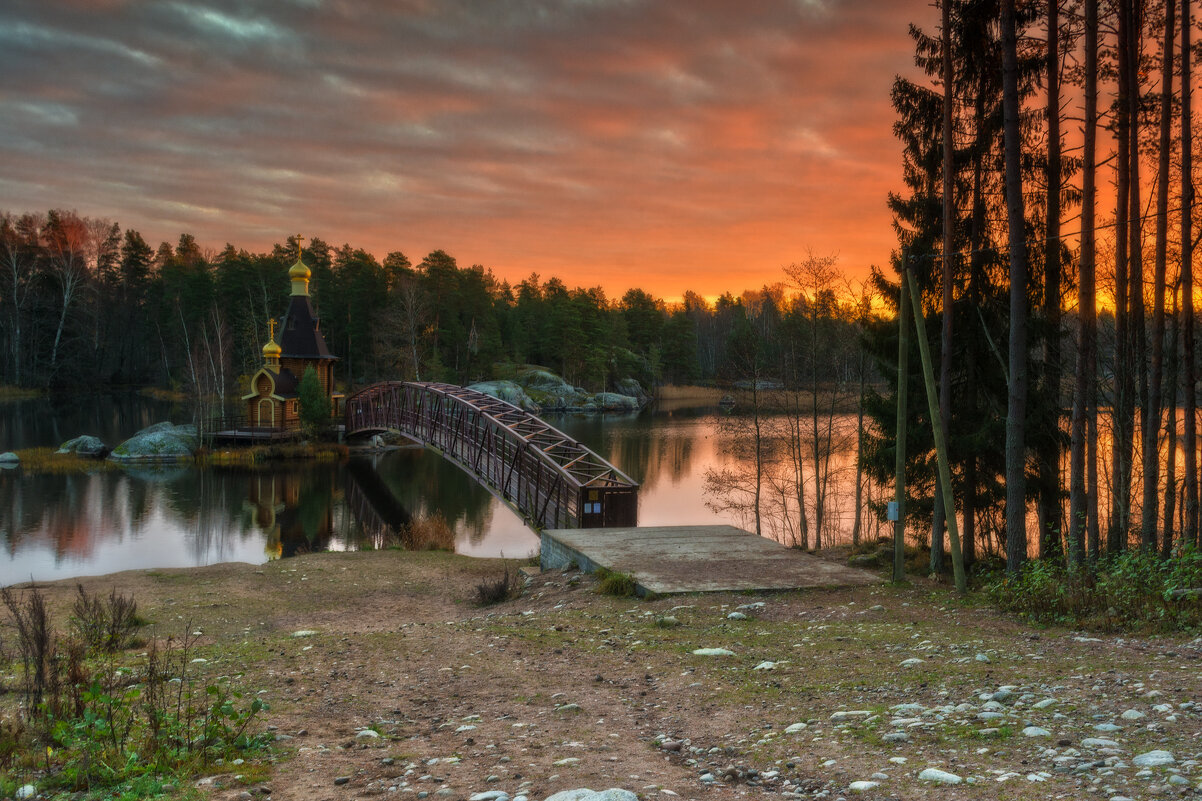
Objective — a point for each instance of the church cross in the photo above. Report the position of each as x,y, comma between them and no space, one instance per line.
271,324
300,251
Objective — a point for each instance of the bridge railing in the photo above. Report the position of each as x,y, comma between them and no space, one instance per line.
552,480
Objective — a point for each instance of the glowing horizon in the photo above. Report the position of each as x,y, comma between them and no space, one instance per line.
670,147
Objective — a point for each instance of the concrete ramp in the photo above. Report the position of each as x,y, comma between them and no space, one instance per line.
676,559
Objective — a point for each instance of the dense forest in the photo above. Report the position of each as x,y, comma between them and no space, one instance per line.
87,304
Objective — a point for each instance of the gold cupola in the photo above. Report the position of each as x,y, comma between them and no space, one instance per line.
300,275
272,351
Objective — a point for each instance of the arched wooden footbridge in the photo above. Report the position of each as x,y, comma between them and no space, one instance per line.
550,479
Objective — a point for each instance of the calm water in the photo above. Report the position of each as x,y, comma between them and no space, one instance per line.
54,527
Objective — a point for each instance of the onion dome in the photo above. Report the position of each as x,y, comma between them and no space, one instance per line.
271,350
300,270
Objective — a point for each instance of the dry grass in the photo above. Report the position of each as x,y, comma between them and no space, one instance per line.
8,393
671,392
158,393
429,534
48,460
261,454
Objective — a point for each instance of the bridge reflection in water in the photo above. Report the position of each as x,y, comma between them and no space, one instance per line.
548,478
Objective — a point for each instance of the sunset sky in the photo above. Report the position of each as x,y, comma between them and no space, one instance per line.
668,145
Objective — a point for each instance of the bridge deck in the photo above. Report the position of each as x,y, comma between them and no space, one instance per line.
675,559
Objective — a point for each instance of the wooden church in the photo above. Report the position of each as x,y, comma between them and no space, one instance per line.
274,400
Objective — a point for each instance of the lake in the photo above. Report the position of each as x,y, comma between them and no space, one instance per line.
56,527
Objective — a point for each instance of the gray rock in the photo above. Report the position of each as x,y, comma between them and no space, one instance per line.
85,445
1183,594
712,652
613,402
551,392
863,787
490,795
1099,742
161,441
615,794
895,737
26,791
509,392
1133,714
632,388
1107,727
9,459
1036,731
1152,759
939,776
585,794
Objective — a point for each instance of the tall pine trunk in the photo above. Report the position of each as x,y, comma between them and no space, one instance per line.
1049,463
1083,458
945,361
1016,407
1151,451
1123,403
1189,424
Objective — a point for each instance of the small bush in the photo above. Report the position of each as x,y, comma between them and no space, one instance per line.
35,640
611,582
494,591
105,624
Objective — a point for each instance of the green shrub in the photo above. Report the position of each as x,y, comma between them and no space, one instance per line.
96,720
1132,589
611,582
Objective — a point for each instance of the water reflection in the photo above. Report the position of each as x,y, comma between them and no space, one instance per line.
62,526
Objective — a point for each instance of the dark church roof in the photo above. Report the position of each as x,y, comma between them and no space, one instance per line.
300,337
285,383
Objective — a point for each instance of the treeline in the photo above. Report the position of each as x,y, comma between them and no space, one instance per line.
84,303
1031,107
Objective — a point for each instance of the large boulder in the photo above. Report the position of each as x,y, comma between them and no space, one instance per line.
632,388
159,442
509,392
613,402
85,446
551,392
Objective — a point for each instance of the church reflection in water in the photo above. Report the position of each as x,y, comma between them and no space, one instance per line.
293,510
309,511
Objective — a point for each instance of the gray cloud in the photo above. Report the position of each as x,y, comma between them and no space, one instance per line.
615,142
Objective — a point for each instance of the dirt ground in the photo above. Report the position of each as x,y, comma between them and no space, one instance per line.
565,688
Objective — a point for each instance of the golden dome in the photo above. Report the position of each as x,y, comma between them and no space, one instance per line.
300,270
272,350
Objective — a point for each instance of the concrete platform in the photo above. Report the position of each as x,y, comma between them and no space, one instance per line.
675,559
